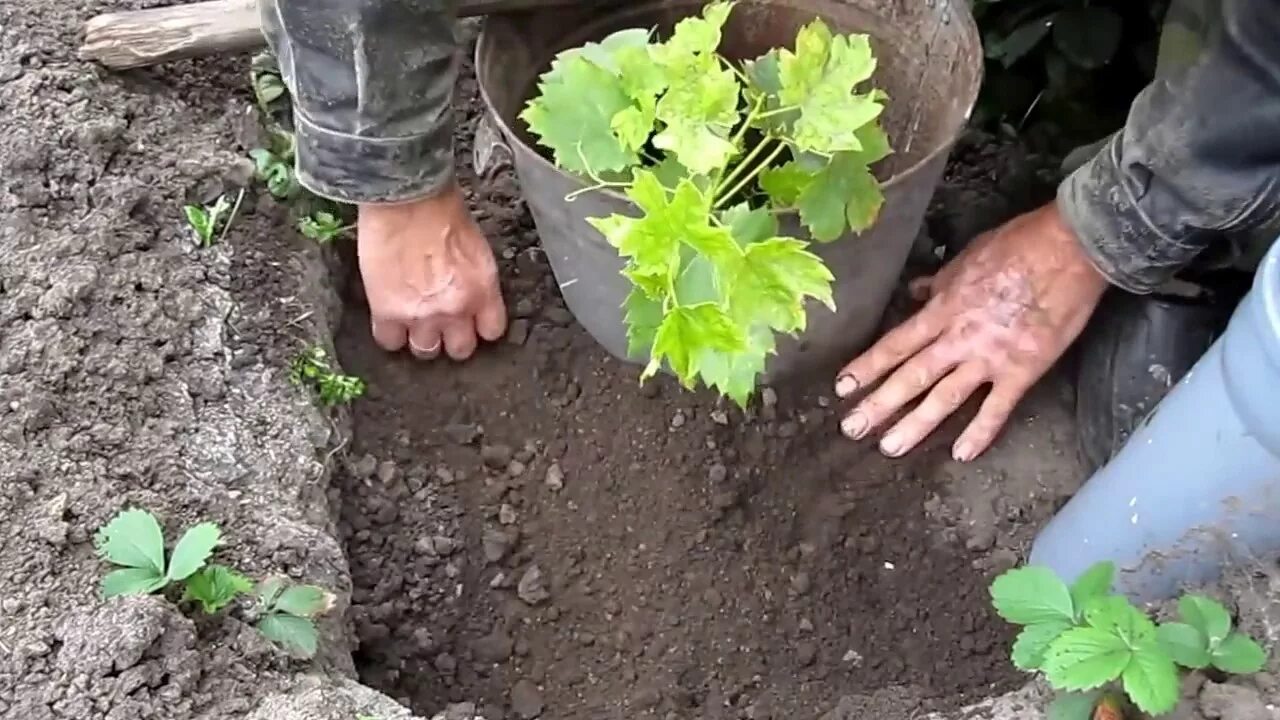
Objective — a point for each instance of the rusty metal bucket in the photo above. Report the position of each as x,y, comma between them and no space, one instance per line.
930,63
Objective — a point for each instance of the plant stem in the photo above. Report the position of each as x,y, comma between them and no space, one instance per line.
751,175
598,186
234,210
777,111
742,165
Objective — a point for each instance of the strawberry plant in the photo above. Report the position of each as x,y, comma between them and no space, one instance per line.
206,220
134,541
216,587
285,614
1095,647
322,226
712,152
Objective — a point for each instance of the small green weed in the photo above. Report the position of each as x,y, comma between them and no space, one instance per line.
312,369
286,614
1089,643
322,226
206,220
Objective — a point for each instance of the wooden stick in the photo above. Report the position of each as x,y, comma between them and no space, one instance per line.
138,38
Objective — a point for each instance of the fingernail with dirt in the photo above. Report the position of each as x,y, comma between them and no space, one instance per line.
846,385
962,452
891,445
854,425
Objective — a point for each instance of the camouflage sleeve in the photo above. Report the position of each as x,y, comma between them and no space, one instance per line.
1198,158
372,82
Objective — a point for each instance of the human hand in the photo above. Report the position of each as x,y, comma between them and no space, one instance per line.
430,277
1002,312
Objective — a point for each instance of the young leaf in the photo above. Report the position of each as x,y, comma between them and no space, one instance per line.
1151,679
133,539
771,280
1185,644
296,635
573,117
1206,615
1031,595
1093,584
1116,615
1073,706
200,222
1239,654
1084,658
131,581
819,78
1034,640
192,550
689,330
305,601
643,316
269,592
322,227
844,193
215,587
734,374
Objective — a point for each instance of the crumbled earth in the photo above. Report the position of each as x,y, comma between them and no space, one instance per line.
530,535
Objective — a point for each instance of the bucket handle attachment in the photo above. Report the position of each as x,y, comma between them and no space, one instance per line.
489,151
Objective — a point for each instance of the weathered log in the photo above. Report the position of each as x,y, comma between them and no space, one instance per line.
139,38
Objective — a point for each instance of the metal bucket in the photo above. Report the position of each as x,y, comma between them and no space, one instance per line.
930,63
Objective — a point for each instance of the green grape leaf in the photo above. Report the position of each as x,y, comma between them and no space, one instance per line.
749,226
1032,595
1116,615
844,193
305,601
699,35
195,546
215,587
1083,658
819,78
735,374
1239,654
1033,641
686,332
771,280
131,581
1093,584
1185,644
133,539
1073,706
610,52
295,635
1206,615
652,242
573,117
643,316
786,183
1151,679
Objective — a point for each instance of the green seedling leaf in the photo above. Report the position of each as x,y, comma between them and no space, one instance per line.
1093,584
305,601
215,587
1206,615
191,552
1032,643
1116,615
131,581
1084,658
1074,706
843,194
819,79
1239,654
201,224
573,117
269,592
311,369
1185,644
133,539
1032,595
295,635
1151,679
322,226
686,332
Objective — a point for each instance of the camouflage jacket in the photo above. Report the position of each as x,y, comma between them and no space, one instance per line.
1197,161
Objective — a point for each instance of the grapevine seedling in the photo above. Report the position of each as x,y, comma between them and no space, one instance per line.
711,153
206,220
322,226
133,541
1086,640
311,369
286,615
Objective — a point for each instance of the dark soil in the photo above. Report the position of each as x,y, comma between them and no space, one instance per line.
639,551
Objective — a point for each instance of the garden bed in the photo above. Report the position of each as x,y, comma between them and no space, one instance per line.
691,561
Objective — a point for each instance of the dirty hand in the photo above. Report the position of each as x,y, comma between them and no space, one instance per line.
1002,312
429,276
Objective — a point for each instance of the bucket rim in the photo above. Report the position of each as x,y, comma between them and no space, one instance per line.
960,12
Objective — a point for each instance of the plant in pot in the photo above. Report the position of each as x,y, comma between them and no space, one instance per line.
710,153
